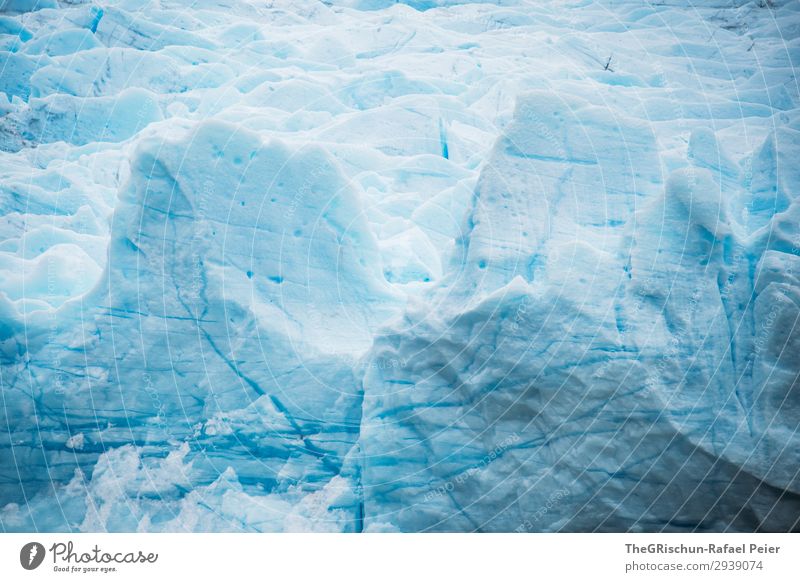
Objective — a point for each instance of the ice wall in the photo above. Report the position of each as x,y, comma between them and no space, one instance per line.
367,266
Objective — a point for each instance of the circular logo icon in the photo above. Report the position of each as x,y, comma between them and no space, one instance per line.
31,555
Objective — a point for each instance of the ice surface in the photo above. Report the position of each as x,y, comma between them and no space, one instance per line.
379,266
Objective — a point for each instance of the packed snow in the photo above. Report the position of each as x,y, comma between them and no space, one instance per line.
361,265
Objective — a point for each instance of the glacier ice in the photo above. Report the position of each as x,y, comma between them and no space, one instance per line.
376,266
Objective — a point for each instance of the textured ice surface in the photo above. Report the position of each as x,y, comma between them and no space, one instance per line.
368,266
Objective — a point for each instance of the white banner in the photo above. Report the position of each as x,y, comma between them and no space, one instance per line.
380,557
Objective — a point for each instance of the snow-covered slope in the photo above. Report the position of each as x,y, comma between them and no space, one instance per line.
368,266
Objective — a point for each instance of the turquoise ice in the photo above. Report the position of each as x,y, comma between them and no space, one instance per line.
378,266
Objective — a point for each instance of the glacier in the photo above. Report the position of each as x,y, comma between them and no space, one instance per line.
378,266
